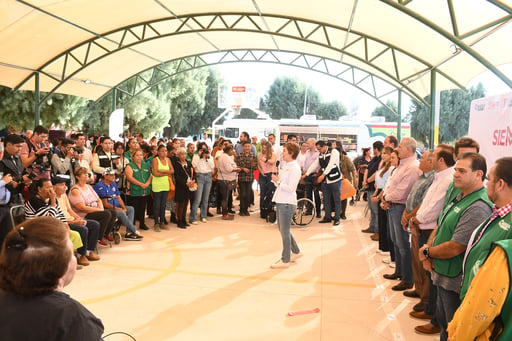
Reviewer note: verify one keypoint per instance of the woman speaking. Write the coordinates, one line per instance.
(285, 198)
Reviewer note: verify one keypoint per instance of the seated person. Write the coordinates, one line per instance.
(111, 197)
(42, 202)
(90, 239)
(36, 263)
(86, 203)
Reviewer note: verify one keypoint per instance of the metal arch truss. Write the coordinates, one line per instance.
(370, 84)
(77, 58)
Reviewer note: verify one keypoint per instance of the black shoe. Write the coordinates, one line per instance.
(231, 211)
(182, 226)
(344, 217)
(411, 294)
(308, 213)
(208, 214)
(367, 230)
(324, 221)
(132, 237)
(143, 227)
(420, 306)
(392, 276)
(319, 215)
(336, 222)
(173, 218)
(402, 286)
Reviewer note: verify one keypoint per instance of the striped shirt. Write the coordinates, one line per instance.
(37, 207)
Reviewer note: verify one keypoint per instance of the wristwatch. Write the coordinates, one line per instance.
(426, 253)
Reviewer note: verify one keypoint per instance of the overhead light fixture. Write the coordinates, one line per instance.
(455, 49)
(87, 81)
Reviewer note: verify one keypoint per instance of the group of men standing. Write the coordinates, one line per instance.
(442, 240)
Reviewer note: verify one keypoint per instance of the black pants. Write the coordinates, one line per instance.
(245, 195)
(139, 207)
(106, 218)
(5, 223)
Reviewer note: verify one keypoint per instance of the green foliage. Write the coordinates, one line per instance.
(384, 111)
(331, 110)
(285, 99)
(453, 117)
(18, 109)
(211, 110)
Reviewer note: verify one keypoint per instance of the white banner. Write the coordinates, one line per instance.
(116, 125)
(490, 123)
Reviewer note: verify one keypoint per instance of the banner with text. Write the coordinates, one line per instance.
(490, 123)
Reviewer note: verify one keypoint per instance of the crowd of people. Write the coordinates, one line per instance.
(435, 219)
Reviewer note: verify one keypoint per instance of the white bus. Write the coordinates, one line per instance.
(353, 135)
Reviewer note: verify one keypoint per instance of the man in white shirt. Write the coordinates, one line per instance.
(424, 222)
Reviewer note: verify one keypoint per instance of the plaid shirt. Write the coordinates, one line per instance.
(246, 161)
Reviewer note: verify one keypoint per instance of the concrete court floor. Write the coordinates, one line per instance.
(212, 281)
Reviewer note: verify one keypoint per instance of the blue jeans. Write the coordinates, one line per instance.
(265, 187)
(332, 192)
(204, 184)
(89, 234)
(284, 220)
(446, 305)
(159, 201)
(400, 240)
(126, 218)
(374, 213)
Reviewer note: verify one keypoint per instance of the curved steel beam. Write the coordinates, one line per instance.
(96, 49)
(455, 37)
(150, 77)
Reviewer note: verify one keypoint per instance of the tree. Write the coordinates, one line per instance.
(285, 98)
(384, 111)
(17, 108)
(211, 109)
(453, 117)
(331, 110)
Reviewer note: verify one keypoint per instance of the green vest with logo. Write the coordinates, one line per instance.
(498, 229)
(141, 174)
(506, 310)
(447, 222)
(451, 194)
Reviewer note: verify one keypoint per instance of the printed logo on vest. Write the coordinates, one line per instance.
(456, 209)
(504, 225)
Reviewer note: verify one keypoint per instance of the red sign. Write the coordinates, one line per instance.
(238, 89)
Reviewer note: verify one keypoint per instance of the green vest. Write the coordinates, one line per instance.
(141, 174)
(498, 229)
(451, 194)
(446, 223)
(506, 311)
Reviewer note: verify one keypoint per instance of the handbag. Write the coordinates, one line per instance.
(347, 190)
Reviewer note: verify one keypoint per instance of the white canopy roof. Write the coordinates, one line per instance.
(87, 47)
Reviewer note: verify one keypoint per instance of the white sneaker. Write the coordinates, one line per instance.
(295, 256)
(392, 265)
(252, 209)
(203, 220)
(194, 222)
(386, 260)
(280, 265)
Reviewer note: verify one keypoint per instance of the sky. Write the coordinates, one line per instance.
(261, 76)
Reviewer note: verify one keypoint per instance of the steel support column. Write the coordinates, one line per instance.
(433, 94)
(399, 117)
(37, 99)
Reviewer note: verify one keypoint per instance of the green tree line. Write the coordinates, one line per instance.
(453, 114)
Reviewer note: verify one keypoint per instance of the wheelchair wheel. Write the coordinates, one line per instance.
(117, 237)
(305, 212)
